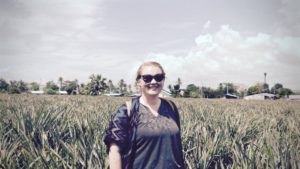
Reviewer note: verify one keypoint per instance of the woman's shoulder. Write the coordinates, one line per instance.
(126, 108)
(121, 112)
(169, 103)
(174, 109)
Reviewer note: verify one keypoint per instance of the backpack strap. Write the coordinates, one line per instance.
(174, 109)
(129, 158)
(128, 104)
(170, 103)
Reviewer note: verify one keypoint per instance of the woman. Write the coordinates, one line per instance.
(148, 135)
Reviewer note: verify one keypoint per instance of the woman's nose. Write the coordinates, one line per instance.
(153, 81)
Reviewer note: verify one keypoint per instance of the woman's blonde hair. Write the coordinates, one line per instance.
(150, 63)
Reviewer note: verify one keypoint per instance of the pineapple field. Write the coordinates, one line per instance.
(44, 131)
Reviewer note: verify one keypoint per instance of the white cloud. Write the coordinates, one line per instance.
(230, 56)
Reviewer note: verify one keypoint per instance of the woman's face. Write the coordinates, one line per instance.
(153, 87)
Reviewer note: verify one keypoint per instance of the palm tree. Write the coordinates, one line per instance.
(129, 89)
(97, 84)
(22, 86)
(3, 85)
(122, 85)
(60, 80)
(110, 85)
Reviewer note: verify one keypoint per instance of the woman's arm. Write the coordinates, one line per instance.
(114, 157)
(116, 137)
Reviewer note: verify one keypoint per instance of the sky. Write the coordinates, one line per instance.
(201, 42)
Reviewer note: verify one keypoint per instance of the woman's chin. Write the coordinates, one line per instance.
(153, 92)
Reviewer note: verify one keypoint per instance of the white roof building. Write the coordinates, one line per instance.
(37, 92)
(114, 94)
(62, 92)
(165, 93)
(260, 96)
(294, 97)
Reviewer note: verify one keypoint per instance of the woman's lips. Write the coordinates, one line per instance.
(153, 86)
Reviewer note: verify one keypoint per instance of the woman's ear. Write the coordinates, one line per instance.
(138, 84)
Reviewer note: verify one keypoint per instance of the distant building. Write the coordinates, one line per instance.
(165, 93)
(37, 92)
(114, 94)
(62, 92)
(181, 92)
(294, 97)
(260, 96)
(230, 96)
(135, 95)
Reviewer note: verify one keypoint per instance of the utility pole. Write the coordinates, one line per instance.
(265, 83)
(223, 83)
(226, 88)
(265, 74)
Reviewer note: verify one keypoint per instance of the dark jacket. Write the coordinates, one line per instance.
(122, 130)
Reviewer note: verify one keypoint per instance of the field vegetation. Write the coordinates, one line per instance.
(66, 132)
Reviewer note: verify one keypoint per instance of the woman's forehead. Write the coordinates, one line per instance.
(150, 69)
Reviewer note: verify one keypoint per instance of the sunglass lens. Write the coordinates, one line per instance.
(147, 78)
(159, 77)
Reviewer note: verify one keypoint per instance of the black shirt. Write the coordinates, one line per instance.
(158, 143)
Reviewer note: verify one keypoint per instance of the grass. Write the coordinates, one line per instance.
(66, 132)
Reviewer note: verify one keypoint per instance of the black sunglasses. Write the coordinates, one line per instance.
(149, 78)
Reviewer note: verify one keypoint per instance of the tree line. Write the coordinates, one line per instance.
(195, 91)
(98, 85)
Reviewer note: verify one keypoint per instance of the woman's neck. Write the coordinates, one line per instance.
(152, 103)
(150, 100)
